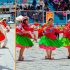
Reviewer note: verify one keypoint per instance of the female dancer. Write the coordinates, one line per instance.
(2, 36)
(50, 41)
(6, 29)
(66, 37)
(22, 37)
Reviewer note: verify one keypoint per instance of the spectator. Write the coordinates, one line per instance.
(34, 4)
(41, 3)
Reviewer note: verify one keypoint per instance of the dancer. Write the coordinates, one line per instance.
(57, 34)
(22, 37)
(66, 37)
(35, 26)
(2, 36)
(49, 41)
(6, 29)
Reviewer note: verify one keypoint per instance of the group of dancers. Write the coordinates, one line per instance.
(4, 29)
(47, 34)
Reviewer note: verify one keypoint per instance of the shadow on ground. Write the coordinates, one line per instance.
(3, 67)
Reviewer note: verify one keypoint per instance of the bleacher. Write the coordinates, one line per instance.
(57, 5)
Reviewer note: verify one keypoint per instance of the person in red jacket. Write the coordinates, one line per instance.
(6, 29)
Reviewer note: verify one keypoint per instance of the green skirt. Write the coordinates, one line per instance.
(66, 41)
(49, 42)
(23, 41)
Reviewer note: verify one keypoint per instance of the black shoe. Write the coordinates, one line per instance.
(68, 57)
(4, 47)
(22, 59)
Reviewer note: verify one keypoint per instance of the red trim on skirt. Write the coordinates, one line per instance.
(47, 47)
(20, 46)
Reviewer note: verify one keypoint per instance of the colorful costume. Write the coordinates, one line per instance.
(50, 41)
(5, 29)
(22, 38)
(66, 36)
(36, 31)
(2, 36)
(40, 32)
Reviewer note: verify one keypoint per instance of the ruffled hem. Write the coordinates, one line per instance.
(20, 46)
(2, 37)
(47, 47)
(67, 46)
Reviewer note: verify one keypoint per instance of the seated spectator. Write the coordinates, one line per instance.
(21, 7)
(34, 4)
(25, 7)
(38, 7)
(41, 3)
(29, 7)
(32, 7)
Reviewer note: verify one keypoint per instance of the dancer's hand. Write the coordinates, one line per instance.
(8, 30)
